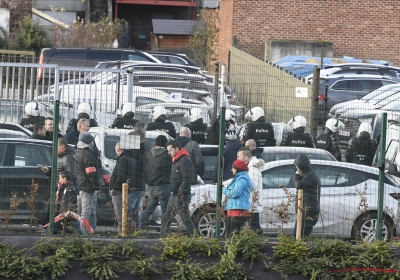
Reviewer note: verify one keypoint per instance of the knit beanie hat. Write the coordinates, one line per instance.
(161, 141)
(86, 137)
(240, 165)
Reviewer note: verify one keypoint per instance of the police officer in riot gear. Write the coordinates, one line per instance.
(212, 132)
(361, 147)
(32, 116)
(84, 110)
(159, 116)
(298, 138)
(261, 131)
(196, 125)
(329, 139)
(126, 120)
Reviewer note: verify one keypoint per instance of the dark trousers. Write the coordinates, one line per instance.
(309, 220)
(255, 223)
(234, 223)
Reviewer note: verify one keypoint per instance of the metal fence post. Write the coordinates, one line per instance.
(56, 120)
(118, 89)
(382, 155)
(299, 224)
(124, 229)
(220, 170)
(314, 102)
(216, 80)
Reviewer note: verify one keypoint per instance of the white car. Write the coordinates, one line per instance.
(371, 98)
(349, 194)
(107, 138)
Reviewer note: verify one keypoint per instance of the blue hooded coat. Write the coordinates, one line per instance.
(238, 192)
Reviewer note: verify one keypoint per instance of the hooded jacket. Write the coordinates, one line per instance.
(124, 171)
(256, 195)
(158, 171)
(309, 183)
(66, 161)
(238, 192)
(181, 173)
(88, 168)
(193, 148)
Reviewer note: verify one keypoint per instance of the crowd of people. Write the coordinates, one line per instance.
(170, 168)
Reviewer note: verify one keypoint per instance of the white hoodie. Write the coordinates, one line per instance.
(254, 166)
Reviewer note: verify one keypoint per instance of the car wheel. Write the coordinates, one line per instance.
(365, 228)
(205, 221)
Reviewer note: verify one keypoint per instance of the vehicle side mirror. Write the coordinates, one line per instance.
(392, 170)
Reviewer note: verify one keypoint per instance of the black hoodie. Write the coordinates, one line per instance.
(309, 183)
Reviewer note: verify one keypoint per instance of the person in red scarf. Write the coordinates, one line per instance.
(181, 175)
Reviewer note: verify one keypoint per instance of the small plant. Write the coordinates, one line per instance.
(46, 246)
(183, 271)
(31, 201)
(176, 246)
(248, 243)
(57, 265)
(227, 268)
(291, 253)
(207, 247)
(143, 267)
(15, 202)
(100, 261)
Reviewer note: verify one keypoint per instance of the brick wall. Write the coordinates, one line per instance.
(367, 29)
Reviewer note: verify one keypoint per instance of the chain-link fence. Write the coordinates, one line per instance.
(347, 193)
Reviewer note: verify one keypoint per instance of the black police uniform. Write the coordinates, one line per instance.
(125, 122)
(330, 142)
(29, 121)
(261, 132)
(198, 129)
(298, 138)
(212, 133)
(167, 127)
(362, 149)
(73, 122)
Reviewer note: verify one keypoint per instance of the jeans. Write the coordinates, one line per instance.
(178, 206)
(309, 220)
(117, 202)
(93, 217)
(134, 200)
(157, 194)
(87, 209)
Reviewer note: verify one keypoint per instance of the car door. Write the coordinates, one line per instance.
(341, 195)
(22, 175)
(278, 200)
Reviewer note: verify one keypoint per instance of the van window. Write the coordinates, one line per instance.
(137, 57)
(68, 59)
(103, 56)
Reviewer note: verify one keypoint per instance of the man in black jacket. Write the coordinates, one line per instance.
(124, 172)
(66, 160)
(179, 201)
(48, 125)
(39, 132)
(193, 148)
(88, 176)
(157, 178)
(137, 190)
(307, 179)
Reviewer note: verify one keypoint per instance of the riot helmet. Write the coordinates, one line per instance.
(32, 109)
